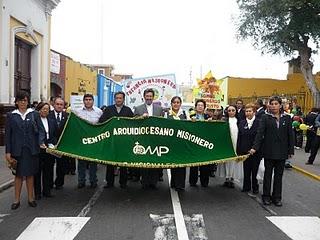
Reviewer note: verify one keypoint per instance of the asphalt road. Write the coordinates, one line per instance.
(136, 214)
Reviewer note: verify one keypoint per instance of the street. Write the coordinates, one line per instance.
(134, 213)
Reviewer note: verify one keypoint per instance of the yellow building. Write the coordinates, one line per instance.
(80, 79)
(293, 88)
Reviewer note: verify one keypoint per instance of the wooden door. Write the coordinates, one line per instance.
(22, 67)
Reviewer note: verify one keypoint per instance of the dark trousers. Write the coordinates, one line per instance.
(110, 175)
(314, 149)
(135, 173)
(250, 170)
(204, 175)
(60, 171)
(43, 179)
(277, 166)
(178, 177)
(310, 137)
(298, 138)
(149, 176)
(71, 165)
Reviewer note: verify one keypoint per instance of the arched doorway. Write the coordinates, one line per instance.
(55, 90)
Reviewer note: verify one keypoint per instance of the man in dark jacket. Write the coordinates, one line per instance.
(311, 133)
(60, 118)
(275, 136)
(116, 110)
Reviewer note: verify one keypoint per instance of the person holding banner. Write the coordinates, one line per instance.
(149, 176)
(92, 114)
(276, 140)
(247, 132)
(178, 175)
(200, 107)
(116, 110)
(231, 170)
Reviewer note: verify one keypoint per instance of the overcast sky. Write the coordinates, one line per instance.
(152, 37)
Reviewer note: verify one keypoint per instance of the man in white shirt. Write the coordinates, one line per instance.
(92, 114)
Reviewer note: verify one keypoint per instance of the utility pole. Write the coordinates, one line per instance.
(101, 32)
(190, 77)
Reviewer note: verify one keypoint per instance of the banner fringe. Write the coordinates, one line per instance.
(58, 153)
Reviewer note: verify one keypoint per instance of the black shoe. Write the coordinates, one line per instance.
(230, 185)
(266, 202)
(288, 165)
(179, 189)
(255, 191)
(123, 186)
(225, 184)
(277, 203)
(38, 197)
(193, 184)
(59, 187)
(204, 185)
(32, 203)
(108, 185)
(15, 206)
(93, 185)
(81, 185)
(160, 179)
(309, 163)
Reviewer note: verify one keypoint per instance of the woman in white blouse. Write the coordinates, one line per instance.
(44, 178)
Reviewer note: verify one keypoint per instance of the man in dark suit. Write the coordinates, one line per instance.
(316, 142)
(275, 139)
(60, 117)
(150, 176)
(311, 133)
(260, 109)
(116, 110)
(241, 115)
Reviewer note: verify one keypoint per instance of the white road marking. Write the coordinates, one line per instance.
(2, 215)
(54, 228)
(177, 211)
(298, 228)
(91, 202)
(196, 227)
(165, 228)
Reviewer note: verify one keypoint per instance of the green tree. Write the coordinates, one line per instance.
(281, 27)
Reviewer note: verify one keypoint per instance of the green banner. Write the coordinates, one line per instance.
(152, 142)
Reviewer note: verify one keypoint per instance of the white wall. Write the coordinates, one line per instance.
(25, 11)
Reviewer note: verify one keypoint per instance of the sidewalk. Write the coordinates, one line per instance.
(298, 162)
(6, 177)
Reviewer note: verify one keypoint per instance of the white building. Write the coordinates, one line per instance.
(25, 48)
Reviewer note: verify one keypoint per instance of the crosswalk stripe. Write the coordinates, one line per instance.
(298, 228)
(54, 228)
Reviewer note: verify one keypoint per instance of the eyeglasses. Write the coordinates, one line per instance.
(231, 110)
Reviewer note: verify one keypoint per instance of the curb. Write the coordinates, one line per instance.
(306, 173)
(6, 185)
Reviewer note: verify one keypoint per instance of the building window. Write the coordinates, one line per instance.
(101, 71)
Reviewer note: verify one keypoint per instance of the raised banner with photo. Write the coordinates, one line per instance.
(213, 91)
(164, 87)
(147, 142)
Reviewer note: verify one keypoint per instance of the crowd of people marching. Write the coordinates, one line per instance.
(266, 130)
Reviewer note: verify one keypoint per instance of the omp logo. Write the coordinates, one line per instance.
(141, 150)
